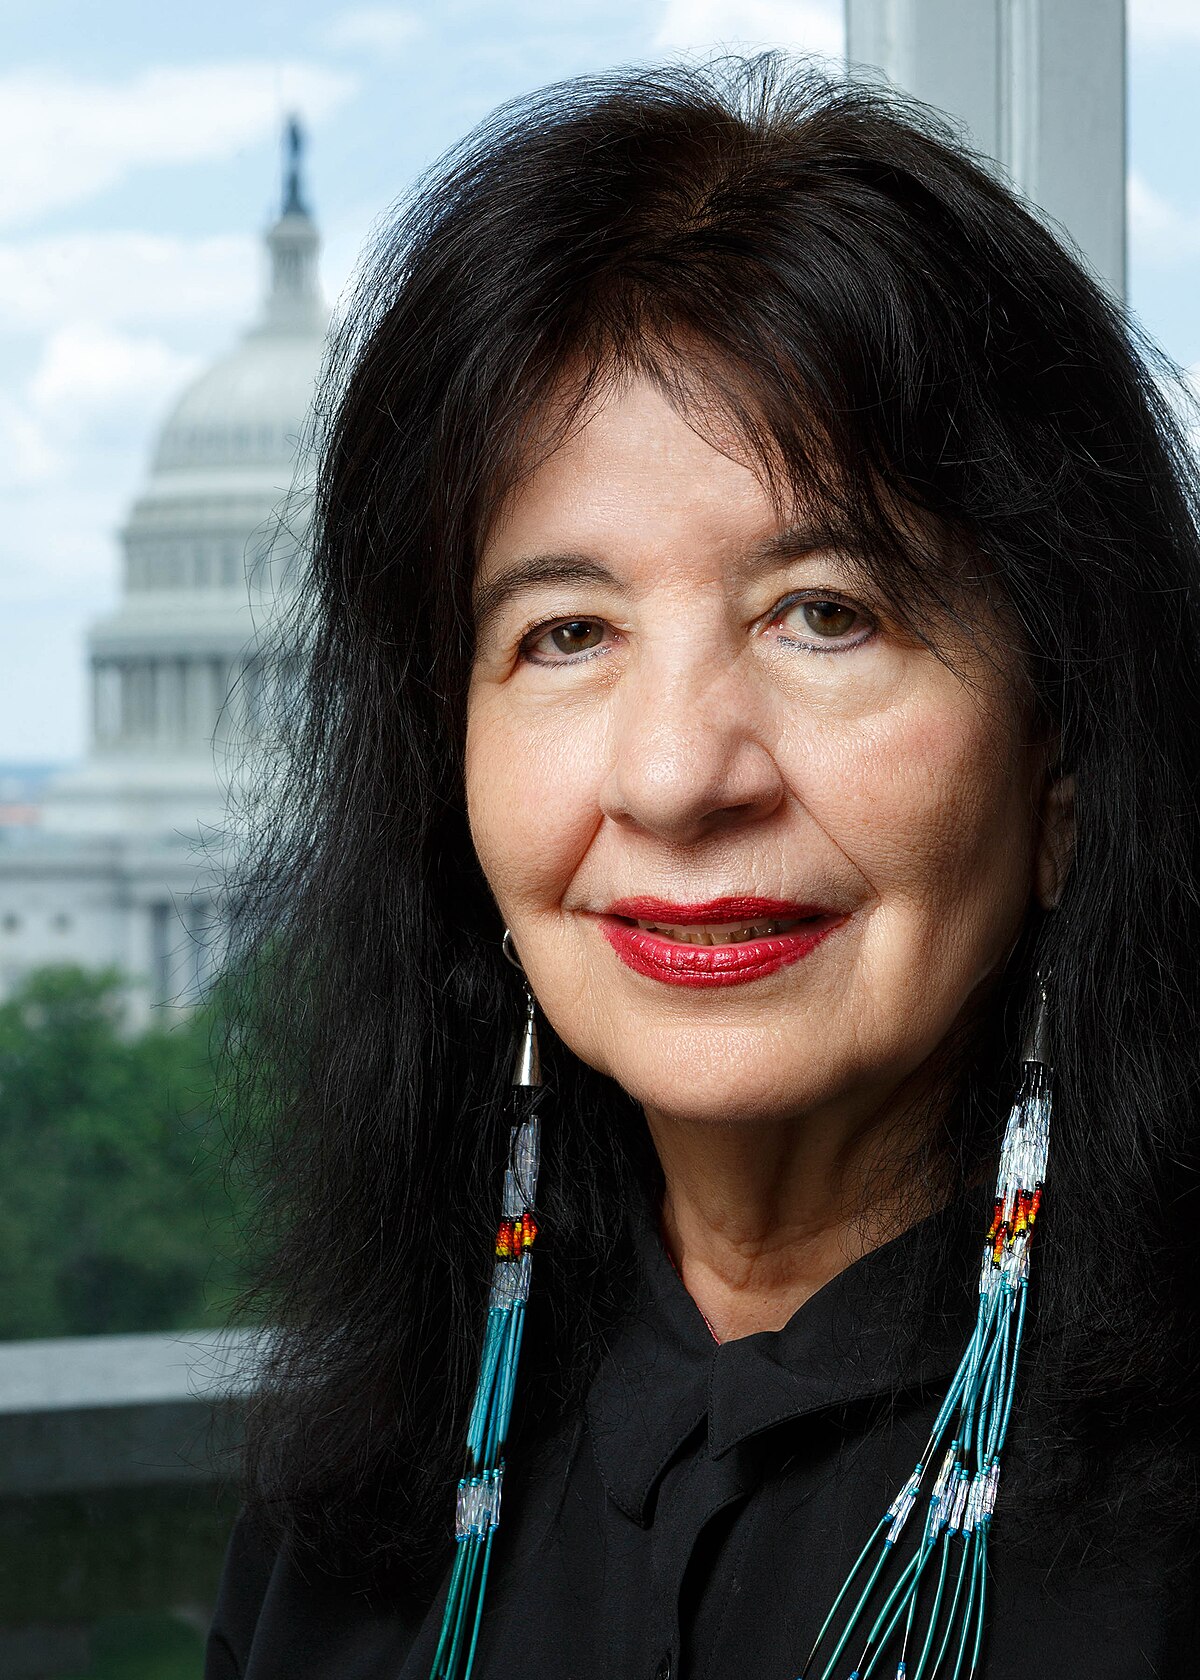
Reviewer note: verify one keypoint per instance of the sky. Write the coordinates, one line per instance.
(140, 147)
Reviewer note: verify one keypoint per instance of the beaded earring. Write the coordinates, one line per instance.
(951, 1553)
(478, 1509)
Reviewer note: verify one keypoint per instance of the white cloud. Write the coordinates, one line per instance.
(123, 278)
(702, 25)
(63, 139)
(383, 30)
(1164, 22)
(89, 373)
(27, 455)
(1160, 232)
(73, 440)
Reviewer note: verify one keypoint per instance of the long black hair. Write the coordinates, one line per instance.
(892, 330)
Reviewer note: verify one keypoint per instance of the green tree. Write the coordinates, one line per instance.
(114, 1213)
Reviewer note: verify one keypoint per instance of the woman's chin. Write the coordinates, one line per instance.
(712, 1096)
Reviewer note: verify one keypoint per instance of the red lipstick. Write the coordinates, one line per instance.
(680, 963)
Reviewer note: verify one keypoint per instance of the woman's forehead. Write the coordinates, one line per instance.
(593, 415)
(602, 422)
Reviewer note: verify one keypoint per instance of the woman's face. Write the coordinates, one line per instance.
(756, 846)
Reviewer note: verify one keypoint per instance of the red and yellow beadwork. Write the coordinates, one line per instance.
(515, 1236)
(1009, 1223)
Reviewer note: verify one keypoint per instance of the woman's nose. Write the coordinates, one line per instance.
(688, 754)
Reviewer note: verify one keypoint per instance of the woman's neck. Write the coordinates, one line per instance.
(758, 1216)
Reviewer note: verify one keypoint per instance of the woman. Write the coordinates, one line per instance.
(755, 570)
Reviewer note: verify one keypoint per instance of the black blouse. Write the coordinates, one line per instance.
(699, 1517)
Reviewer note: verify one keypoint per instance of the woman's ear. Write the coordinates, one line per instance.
(1056, 837)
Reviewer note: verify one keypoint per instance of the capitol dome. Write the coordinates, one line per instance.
(246, 409)
(175, 677)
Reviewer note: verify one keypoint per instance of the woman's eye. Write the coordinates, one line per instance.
(810, 623)
(575, 635)
(817, 621)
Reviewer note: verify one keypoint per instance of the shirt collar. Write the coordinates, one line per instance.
(664, 1375)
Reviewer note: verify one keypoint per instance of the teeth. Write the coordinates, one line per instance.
(711, 934)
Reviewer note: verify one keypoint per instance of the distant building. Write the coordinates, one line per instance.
(114, 870)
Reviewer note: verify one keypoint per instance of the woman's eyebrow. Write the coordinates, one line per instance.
(797, 541)
(537, 570)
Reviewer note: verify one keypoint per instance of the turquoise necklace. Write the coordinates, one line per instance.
(934, 1600)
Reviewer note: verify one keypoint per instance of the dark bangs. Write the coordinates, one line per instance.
(904, 347)
(858, 328)
(823, 474)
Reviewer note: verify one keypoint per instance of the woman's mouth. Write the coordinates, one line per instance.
(723, 942)
(732, 934)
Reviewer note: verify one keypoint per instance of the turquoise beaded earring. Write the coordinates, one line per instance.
(938, 1594)
(478, 1510)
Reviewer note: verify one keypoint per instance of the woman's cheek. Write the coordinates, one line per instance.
(531, 775)
(489, 775)
(924, 801)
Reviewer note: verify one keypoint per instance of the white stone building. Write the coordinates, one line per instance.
(121, 868)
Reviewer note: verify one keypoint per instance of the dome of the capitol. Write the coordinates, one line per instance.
(176, 672)
(250, 405)
(247, 408)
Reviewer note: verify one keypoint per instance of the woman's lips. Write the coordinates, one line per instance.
(656, 953)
